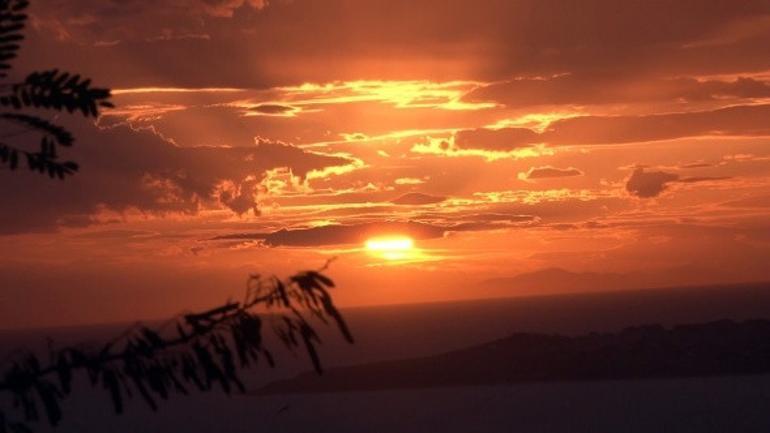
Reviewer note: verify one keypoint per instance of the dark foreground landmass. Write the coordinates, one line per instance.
(718, 348)
(427, 393)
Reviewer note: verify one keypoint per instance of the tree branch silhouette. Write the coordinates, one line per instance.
(205, 349)
(44, 90)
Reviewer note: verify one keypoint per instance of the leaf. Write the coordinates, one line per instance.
(56, 90)
(210, 370)
(155, 378)
(281, 289)
(61, 135)
(139, 384)
(64, 371)
(180, 331)
(251, 328)
(332, 311)
(177, 384)
(322, 278)
(268, 357)
(13, 159)
(112, 384)
(152, 337)
(240, 345)
(228, 365)
(18, 427)
(309, 337)
(12, 20)
(190, 372)
(49, 395)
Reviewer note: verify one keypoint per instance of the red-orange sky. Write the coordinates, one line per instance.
(628, 139)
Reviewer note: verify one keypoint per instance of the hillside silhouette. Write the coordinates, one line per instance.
(652, 351)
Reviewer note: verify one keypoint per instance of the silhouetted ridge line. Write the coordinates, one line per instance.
(652, 351)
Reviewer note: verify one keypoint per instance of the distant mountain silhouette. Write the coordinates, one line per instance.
(711, 349)
(558, 280)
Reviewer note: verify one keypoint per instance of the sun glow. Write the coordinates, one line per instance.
(391, 248)
(402, 94)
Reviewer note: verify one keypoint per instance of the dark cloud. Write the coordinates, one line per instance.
(549, 172)
(274, 109)
(594, 89)
(749, 120)
(491, 40)
(646, 184)
(198, 124)
(417, 198)
(495, 139)
(240, 197)
(124, 168)
(741, 120)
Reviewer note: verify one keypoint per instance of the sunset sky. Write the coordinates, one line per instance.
(430, 146)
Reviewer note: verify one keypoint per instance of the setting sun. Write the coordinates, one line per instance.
(391, 248)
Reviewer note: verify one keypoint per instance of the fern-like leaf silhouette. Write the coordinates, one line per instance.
(45, 90)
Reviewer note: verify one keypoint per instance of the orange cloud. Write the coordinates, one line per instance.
(416, 198)
(546, 172)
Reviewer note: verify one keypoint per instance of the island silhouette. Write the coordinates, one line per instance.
(718, 348)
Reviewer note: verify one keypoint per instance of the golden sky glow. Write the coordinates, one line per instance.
(429, 149)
